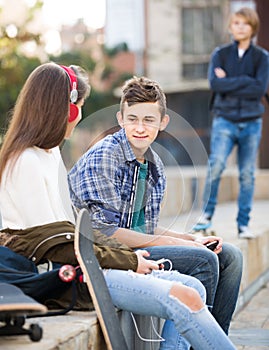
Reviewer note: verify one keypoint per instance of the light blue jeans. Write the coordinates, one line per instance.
(224, 136)
(149, 295)
(220, 274)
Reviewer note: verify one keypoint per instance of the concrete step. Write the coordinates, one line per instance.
(250, 327)
(185, 186)
(80, 330)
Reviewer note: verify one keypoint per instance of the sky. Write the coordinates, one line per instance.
(58, 12)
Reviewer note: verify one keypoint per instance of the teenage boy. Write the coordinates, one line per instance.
(238, 76)
(122, 182)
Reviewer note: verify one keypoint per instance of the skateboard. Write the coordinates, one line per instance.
(203, 229)
(94, 278)
(15, 307)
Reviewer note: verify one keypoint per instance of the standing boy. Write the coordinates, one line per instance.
(238, 76)
(122, 182)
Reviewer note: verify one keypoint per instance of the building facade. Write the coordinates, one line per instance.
(175, 49)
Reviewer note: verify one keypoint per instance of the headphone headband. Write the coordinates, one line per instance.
(73, 84)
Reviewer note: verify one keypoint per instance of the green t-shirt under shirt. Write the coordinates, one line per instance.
(138, 221)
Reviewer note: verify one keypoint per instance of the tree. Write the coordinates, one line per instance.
(16, 58)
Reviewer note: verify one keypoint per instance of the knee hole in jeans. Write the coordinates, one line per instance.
(188, 296)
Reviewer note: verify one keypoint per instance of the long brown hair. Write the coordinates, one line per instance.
(40, 114)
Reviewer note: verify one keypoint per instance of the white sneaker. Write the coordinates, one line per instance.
(244, 232)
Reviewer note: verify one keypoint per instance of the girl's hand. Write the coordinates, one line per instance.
(145, 266)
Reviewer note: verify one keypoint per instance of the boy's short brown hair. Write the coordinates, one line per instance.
(140, 90)
(251, 17)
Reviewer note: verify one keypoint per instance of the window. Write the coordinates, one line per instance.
(202, 30)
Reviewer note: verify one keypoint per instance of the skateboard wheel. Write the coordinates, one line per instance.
(67, 273)
(36, 332)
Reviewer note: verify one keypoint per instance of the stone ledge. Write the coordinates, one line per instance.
(185, 187)
(80, 330)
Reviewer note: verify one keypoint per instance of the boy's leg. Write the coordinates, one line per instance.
(231, 265)
(248, 144)
(221, 145)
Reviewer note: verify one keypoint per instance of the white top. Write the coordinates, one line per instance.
(241, 52)
(35, 191)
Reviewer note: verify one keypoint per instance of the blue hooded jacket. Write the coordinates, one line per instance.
(237, 97)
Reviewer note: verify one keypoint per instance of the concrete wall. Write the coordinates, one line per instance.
(185, 188)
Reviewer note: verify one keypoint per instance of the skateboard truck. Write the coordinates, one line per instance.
(15, 307)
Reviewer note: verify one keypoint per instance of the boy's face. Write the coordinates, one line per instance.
(142, 122)
(240, 28)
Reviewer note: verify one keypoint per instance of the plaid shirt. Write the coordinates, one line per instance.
(105, 178)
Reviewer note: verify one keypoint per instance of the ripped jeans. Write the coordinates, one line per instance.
(147, 295)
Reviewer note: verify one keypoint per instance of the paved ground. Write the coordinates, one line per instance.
(224, 220)
(250, 327)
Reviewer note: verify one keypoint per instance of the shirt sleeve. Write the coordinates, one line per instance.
(95, 182)
(28, 191)
(114, 258)
(241, 85)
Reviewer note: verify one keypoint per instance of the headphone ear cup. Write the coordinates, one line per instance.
(73, 112)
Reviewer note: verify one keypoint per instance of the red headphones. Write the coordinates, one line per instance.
(73, 109)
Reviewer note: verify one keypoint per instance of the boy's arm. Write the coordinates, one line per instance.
(191, 238)
(135, 239)
(242, 85)
(257, 86)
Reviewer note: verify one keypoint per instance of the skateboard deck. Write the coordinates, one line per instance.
(15, 306)
(96, 283)
(204, 229)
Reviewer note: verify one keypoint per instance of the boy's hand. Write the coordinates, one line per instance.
(145, 266)
(220, 73)
(205, 240)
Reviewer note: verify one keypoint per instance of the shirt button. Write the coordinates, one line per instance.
(68, 236)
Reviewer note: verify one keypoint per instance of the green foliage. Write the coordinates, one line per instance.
(15, 67)
(113, 51)
(14, 71)
(80, 58)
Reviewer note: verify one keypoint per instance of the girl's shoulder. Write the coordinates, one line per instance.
(33, 155)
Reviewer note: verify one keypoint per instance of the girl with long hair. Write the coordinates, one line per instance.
(39, 222)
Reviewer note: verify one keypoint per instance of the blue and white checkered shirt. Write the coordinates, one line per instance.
(104, 179)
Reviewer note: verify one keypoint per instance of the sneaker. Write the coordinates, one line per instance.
(244, 232)
(203, 223)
